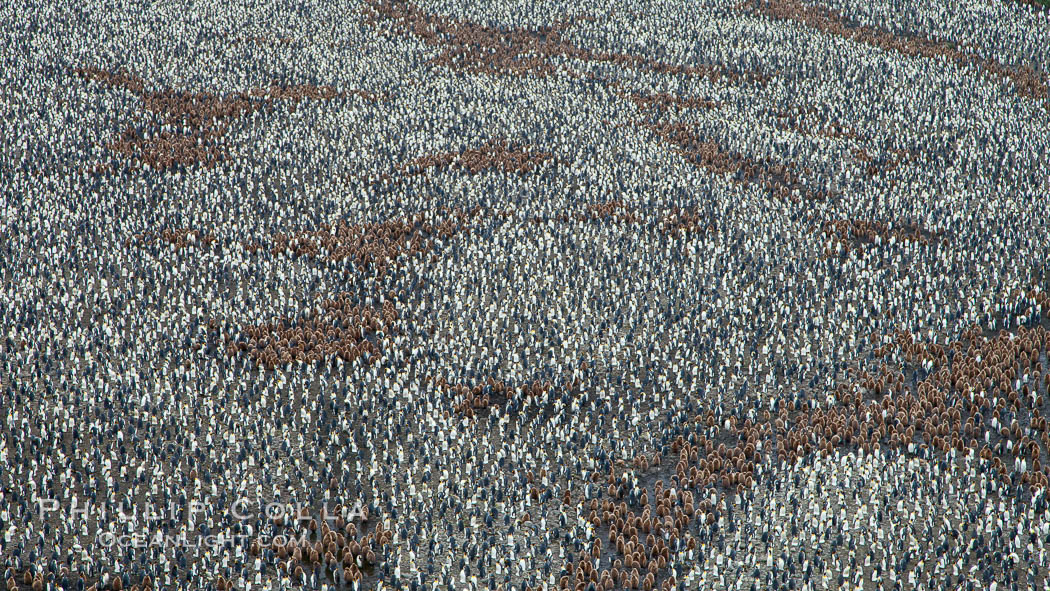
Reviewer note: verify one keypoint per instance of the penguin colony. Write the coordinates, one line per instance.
(379, 294)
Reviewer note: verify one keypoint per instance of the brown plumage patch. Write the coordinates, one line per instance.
(477, 48)
(781, 179)
(496, 154)
(854, 233)
(341, 330)
(178, 237)
(1026, 81)
(186, 129)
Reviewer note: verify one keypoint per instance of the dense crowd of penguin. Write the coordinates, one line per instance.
(426, 295)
